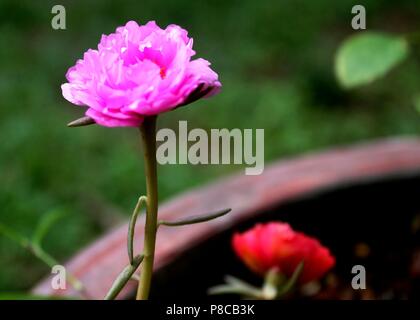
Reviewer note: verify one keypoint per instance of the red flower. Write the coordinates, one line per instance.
(277, 245)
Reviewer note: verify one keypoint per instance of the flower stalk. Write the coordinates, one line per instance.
(148, 136)
(123, 278)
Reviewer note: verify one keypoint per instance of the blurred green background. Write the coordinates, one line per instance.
(274, 58)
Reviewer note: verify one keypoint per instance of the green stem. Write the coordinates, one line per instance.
(194, 219)
(148, 134)
(132, 226)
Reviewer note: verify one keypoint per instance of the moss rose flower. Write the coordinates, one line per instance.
(139, 71)
(277, 245)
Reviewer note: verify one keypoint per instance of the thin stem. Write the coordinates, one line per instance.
(148, 135)
(132, 226)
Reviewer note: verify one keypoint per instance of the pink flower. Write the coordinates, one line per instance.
(277, 245)
(139, 71)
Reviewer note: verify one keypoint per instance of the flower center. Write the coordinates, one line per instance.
(163, 72)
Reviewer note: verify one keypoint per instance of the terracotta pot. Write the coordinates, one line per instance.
(250, 197)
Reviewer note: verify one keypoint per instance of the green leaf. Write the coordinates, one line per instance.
(368, 56)
(195, 219)
(289, 285)
(45, 224)
(123, 278)
(132, 227)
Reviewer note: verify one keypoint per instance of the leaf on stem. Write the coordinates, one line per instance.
(84, 121)
(195, 219)
(123, 278)
(132, 226)
(292, 281)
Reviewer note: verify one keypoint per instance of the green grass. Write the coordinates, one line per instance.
(275, 60)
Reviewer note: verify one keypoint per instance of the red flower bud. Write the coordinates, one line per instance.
(277, 245)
